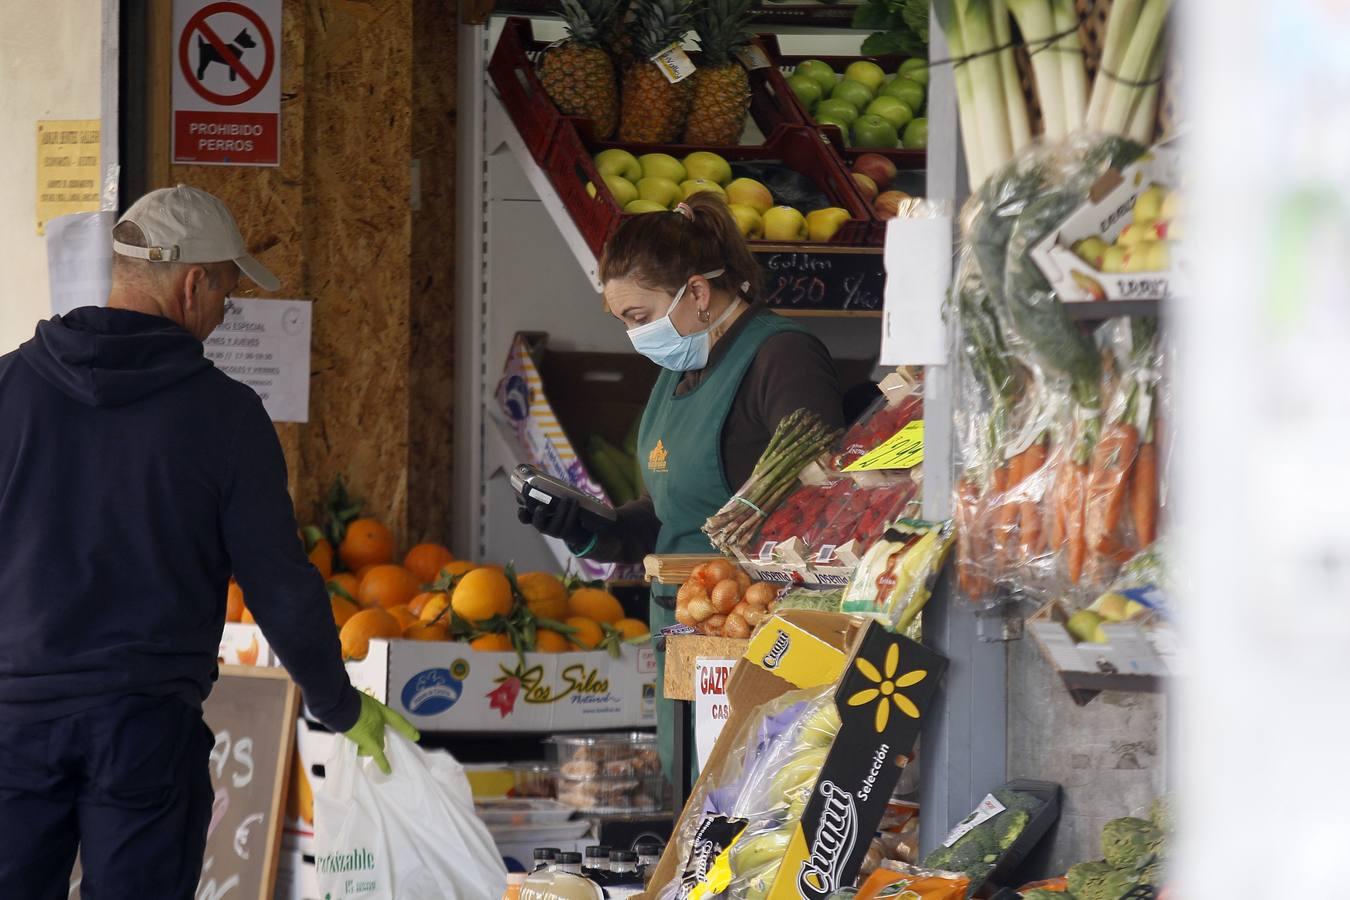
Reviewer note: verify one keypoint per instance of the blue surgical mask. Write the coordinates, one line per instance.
(661, 342)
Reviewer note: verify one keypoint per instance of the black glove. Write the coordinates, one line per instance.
(560, 519)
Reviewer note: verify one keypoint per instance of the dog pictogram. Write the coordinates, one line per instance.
(207, 53)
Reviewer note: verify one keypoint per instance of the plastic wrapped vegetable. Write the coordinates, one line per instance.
(1128, 842)
(899, 880)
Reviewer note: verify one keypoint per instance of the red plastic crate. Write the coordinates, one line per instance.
(772, 104)
(909, 160)
(802, 149)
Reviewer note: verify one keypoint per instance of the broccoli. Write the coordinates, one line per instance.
(966, 856)
(1099, 881)
(1128, 842)
(1008, 827)
(1161, 814)
(1041, 894)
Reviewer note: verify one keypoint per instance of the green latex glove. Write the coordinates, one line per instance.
(368, 732)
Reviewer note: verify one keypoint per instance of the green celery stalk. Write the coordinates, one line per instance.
(1134, 66)
(1036, 22)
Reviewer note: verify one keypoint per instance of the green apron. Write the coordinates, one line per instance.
(680, 448)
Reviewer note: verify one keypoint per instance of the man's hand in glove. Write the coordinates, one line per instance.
(368, 732)
(560, 519)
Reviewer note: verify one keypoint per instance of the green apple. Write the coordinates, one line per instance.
(660, 190)
(834, 108)
(662, 165)
(624, 191)
(916, 134)
(807, 89)
(749, 192)
(909, 91)
(783, 223)
(700, 185)
(915, 69)
(819, 72)
(1113, 260)
(844, 127)
(874, 131)
(645, 206)
(892, 109)
(707, 166)
(748, 220)
(866, 71)
(618, 162)
(854, 92)
(821, 224)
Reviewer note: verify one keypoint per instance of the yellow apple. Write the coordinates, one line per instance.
(1148, 205)
(749, 192)
(748, 220)
(624, 191)
(662, 165)
(1136, 232)
(708, 166)
(645, 206)
(821, 224)
(618, 162)
(1171, 206)
(699, 185)
(1090, 250)
(783, 223)
(1136, 258)
(1159, 256)
(1113, 260)
(660, 190)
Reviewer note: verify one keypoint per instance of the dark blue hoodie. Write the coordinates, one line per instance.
(135, 477)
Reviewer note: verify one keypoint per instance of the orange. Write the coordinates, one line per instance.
(588, 634)
(367, 543)
(426, 561)
(247, 617)
(404, 616)
(347, 582)
(342, 609)
(544, 594)
(458, 567)
(321, 555)
(547, 641)
(234, 603)
(360, 628)
(427, 631)
(632, 628)
(482, 594)
(388, 586)
(361, 572)
(415, 604)
(493, 643)
(596, 604)
(435, 606)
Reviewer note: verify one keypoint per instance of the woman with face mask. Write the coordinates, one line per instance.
(686, 288)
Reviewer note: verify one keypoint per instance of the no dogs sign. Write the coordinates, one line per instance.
(227, 82)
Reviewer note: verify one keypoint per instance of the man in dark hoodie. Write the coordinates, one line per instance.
(135, 478)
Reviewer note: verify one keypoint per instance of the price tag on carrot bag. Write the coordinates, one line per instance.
(753, 57)
(903, 450)
(674, 63)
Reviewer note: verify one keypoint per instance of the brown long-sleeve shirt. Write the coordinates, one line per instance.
(790, 371)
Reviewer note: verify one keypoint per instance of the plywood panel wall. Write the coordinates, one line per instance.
(335, 222)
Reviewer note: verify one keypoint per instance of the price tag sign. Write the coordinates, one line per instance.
(753, 57)
(904, 450)
(711, 708)
(674, 63)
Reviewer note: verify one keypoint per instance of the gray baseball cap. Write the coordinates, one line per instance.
(186, 225)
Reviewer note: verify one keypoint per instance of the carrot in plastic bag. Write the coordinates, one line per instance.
(1029, 517)
(994, 497)
(967, 513)
(1112, 459)
(1144, 494)
(1075, 485)
(1008, 510)
(898, 880)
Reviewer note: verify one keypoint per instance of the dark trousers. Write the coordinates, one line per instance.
(125, 783)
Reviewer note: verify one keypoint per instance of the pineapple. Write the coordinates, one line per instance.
(578, 74)
(721, 85)
(654, 110)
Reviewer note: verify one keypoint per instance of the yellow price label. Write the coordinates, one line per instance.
(904, 450)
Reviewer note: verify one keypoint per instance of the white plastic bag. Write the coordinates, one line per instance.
(410, 835)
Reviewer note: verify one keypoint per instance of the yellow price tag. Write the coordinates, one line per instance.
(904, 450)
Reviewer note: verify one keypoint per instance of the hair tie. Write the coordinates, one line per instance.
(685, 210)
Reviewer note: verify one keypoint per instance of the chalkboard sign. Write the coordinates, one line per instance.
(252, 712)
(836, 281)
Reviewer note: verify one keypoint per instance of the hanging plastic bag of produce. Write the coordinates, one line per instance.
(904, 882)
(410, 835)
(896, 576)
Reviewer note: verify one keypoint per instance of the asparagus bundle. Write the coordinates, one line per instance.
(798, 440)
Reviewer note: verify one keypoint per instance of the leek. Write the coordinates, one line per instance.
(1068, 53)
(950, 23)
(1145, 115)
(991, 112)
(1119, 26)
(1134, 67)
(1019, 127)
(1036, 23)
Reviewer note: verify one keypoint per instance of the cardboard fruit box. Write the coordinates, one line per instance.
(245, 645)
(1137, 655)
(443, 686)
(1107, 211)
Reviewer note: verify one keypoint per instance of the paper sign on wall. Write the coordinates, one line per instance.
(68, 178)
(226, 60)
(265, 345)
(918, 271)
(711, 707)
